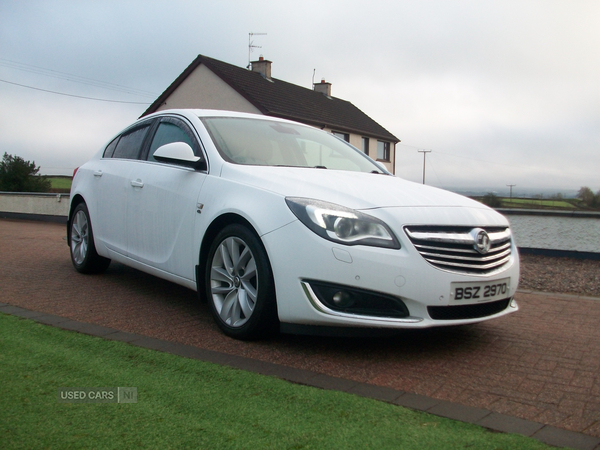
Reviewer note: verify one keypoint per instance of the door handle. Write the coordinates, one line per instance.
(137, 183)
(98, 173)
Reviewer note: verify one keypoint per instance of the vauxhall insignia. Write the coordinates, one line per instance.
(482, 240)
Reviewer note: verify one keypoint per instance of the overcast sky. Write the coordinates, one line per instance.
(501, 92)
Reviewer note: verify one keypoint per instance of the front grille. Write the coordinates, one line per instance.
(475, 311)
(455, 248)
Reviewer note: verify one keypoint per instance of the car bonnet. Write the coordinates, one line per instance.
(351, 189)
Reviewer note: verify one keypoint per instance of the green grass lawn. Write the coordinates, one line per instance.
(184, 403)
(60, 182)
(535, 203)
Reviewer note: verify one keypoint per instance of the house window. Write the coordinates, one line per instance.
(365, 145)
(383, 151)
(344, 136)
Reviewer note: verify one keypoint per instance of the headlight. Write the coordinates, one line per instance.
(342, 225)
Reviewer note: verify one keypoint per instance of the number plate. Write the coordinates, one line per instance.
(478, 292)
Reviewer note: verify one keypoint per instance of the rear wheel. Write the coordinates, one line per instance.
(83, 251)
(239, 284)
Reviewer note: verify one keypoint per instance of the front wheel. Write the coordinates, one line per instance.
(239, 284)
(83, 251)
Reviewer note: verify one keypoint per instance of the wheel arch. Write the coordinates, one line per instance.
(213, 229)
(75, 201)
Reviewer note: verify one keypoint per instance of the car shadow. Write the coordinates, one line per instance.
(172, 299)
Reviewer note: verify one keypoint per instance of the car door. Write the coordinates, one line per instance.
(162, 203)
(112, 178)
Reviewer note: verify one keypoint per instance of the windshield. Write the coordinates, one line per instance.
(269, 143)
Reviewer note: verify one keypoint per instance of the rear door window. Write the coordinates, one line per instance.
(130, 143)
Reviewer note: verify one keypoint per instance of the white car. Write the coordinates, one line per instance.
(281, 226)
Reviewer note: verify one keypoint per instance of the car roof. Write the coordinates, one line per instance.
(200, 113)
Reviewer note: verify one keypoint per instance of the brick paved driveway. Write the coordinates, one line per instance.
(541, 364)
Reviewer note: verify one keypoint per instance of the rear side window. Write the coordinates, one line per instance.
(130, 144)
(110, 148)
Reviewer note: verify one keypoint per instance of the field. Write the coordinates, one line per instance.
(564, 204)
(60, 183)
(536, 203)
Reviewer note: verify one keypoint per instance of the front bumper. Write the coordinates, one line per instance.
(299, 257)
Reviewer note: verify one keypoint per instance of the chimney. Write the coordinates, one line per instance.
(263, 67)
(323, 87)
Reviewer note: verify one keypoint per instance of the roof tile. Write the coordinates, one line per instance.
(279, 98)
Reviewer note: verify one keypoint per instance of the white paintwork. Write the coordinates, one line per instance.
(153, 216)
(177, 151)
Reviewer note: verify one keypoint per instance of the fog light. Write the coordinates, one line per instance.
(342, 299)
(361, 302)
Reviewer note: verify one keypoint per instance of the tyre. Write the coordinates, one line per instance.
(239, 285)
(81, 242)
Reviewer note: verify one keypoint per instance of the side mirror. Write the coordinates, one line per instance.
(178, 153)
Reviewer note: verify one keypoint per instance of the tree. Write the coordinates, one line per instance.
(492, 200)
(587, 196)
(18, 175)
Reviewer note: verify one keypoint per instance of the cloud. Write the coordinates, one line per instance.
(502, 92)
(59, 134)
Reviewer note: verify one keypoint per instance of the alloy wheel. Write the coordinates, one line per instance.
(79, 237)
(234, 281)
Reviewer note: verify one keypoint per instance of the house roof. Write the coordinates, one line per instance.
(285, 100)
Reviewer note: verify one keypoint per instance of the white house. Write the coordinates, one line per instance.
(212, 84)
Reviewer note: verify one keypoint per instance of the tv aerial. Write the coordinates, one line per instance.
(252, 46)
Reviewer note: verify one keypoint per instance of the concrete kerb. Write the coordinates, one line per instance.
(477, 416)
